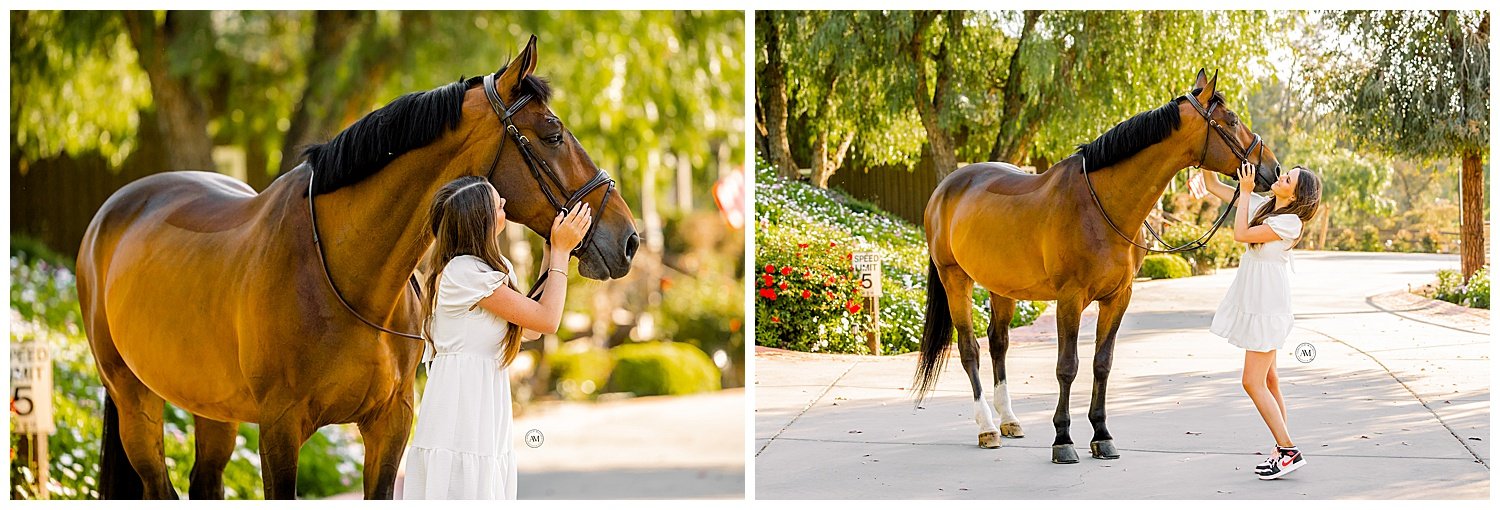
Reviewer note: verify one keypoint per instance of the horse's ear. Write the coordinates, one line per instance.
(1202, 80)
(519, 68)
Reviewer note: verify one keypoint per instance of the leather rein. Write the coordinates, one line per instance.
(1242, 153)
(536, 164)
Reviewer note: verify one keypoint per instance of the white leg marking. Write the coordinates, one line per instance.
(983, 416)
(1002, 404)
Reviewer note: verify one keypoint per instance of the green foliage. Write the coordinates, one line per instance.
(1412, 83)
(579, 371)
(1475, 293)
(1219, 252)
(706, 312)
(662, 368)
(44, 306)
(1165, 266)
(814, 231)
(75, 87)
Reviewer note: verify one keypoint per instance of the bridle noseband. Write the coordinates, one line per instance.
(1241, 153)
(539, 168)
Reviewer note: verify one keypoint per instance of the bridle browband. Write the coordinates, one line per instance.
(538, 167)
(1241, 153)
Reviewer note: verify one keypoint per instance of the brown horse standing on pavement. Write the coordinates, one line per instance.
(1049, 237)
(198, 291)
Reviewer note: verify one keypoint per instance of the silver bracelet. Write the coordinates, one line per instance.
(559, 271)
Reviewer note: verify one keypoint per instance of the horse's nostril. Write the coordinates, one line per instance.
(631, 244)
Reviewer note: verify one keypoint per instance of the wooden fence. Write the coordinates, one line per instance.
(899, 190)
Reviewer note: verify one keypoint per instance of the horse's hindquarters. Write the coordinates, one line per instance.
(155, 299)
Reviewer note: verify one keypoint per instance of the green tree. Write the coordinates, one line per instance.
(1416, 84)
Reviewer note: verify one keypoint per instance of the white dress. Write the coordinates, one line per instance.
(462, 445)
(1256, 313)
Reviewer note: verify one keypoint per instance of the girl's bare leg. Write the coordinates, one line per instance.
(1273, 383)
(1257, 369)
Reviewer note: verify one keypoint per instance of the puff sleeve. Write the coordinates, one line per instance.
(466, 281)
(1287, 226)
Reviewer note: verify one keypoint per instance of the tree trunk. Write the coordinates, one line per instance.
(825, 164)
(929, 102)
(332, 31)
(772, 79)
(1471, 228)
(1008, 140)
(181, 117)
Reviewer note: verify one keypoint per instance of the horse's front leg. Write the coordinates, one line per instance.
(1111, 312)
(282, 433)
(1069, 313)
(385, 436)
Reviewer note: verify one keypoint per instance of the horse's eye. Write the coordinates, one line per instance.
(554, 140)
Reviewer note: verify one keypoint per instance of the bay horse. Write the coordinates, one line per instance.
(229, 304)
(1050, 236)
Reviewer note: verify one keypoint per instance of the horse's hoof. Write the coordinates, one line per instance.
(989, 440)
(1104, 449)
(1064, 454)
(1011, 430)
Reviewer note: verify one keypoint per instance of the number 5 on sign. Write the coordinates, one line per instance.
(867, 270)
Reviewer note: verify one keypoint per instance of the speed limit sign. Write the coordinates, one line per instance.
(31, 389)
(867, 273)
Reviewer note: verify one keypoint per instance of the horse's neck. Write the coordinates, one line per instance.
(374, 232)
(1130, 189)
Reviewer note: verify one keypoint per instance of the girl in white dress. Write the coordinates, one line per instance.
(462, 448)
(1256, 314)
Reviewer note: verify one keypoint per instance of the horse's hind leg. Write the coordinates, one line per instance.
(1111, 312)
(213, 443)
(1001, 310)
(140, 415)
(960, 290)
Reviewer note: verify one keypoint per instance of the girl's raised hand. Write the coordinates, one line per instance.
(1247, 177)
(568, 228)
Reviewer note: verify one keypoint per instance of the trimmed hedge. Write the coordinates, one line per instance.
(662, 368)
(1165, 266)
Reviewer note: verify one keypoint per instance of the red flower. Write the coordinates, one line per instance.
(831, 297)
(770, 269)
(801, 245)
(853, 307)
(775, 320)
(806, 294)
(783, 285)
(767, 279)
(786, 270)
(830, 281)
(850, 256)
(768, 294)
(832, 244)
(807, 274)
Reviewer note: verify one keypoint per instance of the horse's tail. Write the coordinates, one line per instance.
(937, 335)
(117, 478)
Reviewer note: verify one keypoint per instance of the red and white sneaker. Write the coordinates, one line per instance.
(1286, 461)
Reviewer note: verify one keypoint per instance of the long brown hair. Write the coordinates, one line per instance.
(462, 218)
(1307, 197)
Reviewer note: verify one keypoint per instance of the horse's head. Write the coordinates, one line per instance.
(541, 168)
(1226, 140)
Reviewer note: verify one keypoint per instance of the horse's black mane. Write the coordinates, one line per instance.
(1135, 134)
(409, 122)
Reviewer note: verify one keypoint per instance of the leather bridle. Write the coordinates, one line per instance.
(536, 164)
(539, 167)
(1240, 152)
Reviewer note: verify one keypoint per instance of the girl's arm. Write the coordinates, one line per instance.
(543, 316)
(1242, 231)
(1215, 186)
